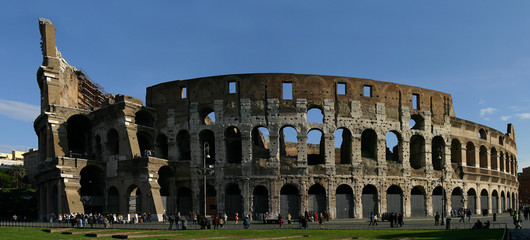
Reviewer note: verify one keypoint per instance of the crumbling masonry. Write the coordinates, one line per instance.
(277, 143)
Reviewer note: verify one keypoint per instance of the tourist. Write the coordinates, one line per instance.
(171, 221)
(371, 219)
(436, 219)
(468, 213)
(289, 218)
(246, 222)
(321, 221)
(236, 219)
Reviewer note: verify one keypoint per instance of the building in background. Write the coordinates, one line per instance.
(9, 159)
(31, 164)
(524, 186)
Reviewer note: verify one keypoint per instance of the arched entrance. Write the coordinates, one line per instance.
(316, 199)
(369, 201)
(457, 199)
(165, 178)
(344, 198)
(92, 189)
(472, 200)
(417, 202)
(79, 136)
(494, 201)
(184, 200)
(394, 199)
(135, 199)
(484, 200)
(289, 200)
(233, 201)
(113, 200)
(260, 200)
(437, 200)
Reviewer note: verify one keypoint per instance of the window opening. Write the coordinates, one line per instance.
(341, 88)
(314, 115)
(287, 91)
(232, 88)
(415, 101)
(184, 93)
(367, 91)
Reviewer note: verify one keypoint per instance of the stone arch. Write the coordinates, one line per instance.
(91, 191)
(417, 152)
(233, 142)
(113, 142)
(456, 151)
(484, 200)
(113, 200)
(482, 134)
(260, 143)
(233, 201)
(483, 153)
(508, 200)
(145, 143)
(166, 178)
(207, 136)
(184, 200)
(315, 147)
(369, 144)
(289, 200)
(513, 204)
(288, 142)
(134, 203)
(457, 198)
(207, 116)
(470, 154)
(437, 153)
(316, 197)
(507, 160)
(501, 140)
(394, 199)
(260, 199)
(343, 146)
(183, 145)
(394, 146)
(344, 201)
(315, 115)
(417, 122)
(503, 201)
(418, 202)
(438, 196)
(79, 133)
(493, 158)
(494, 201)
(369, 200)
(501, 162)
(161, 147)
(144, 118)
(472, 200)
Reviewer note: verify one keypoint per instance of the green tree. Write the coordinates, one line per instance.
(17, 172)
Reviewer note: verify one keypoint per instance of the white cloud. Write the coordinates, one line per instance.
(523, 115)
(487, 111)
(505, 118)
(19, 110)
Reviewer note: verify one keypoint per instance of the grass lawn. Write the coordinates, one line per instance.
(37, 233)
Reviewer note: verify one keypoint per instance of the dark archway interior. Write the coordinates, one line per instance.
(369, 144)
(183, 144)
(79, 136)
(144, 118)
(161, 146)
(417, 152)
(233, 145)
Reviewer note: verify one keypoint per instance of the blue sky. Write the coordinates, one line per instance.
(477, 51)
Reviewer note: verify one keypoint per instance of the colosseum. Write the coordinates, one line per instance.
(274, 143)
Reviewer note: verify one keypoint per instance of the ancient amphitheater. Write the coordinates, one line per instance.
(277, 143)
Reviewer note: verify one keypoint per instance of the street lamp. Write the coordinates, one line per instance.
(206, 170)
(444, 169)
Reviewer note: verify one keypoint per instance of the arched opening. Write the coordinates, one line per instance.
(78, 131)
(316, 198)
(437, 200)
(394, 199)
(135, 199)
(260, 143)
(260, 200)
(393, 147)
(98, 155)
(418, 202)
(315, 147)
(483, 153)
(501, 140)
(233, 201)
(161, 149)
(416, 122)
(508, 201)
(501, 162)
(289, 200)
(493, 158)
(165, 180)
(288, 142)
(314, 115)
(113, 142)
(233, 145)
(456, 151)
(92, 193)
(343, 146)
(417, 152)
(369, 201)
(494, 201)
(144, 118)
(345, 205)
(113, 200)
(472, 200)
(484, 200)
(438, 153)
(470, 154)
(145, 144)
(369, 144)
(503, 201)
(507, 160)
(513, 204)
(207, 116)
(55, 200)
(482, 134)
(183, 145)
(184, 200)
(207, 136)
(457, 199)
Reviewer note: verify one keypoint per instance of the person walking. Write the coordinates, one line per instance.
(281, 222)
(236, 219)
(436, 219)
(289, 218)
(516, 220)
(375, 219)
(171, 221)
(468, 213)
(371, 219)
(400, 220)
(321, 221)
